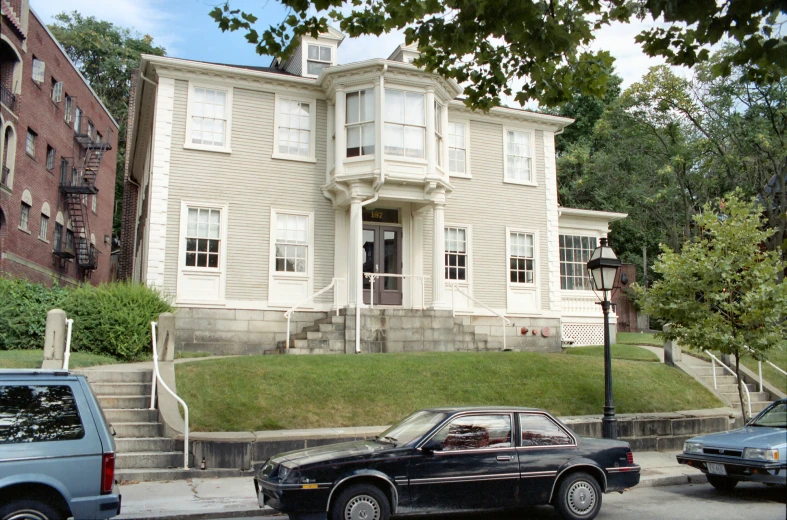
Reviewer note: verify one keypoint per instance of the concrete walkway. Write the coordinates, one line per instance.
(234, 497)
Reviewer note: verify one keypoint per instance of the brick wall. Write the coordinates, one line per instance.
(130, 193)
(35, 110)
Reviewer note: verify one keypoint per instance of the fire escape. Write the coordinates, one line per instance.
(77, 184)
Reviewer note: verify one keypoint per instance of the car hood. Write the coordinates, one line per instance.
(333, 452)
(746, 437)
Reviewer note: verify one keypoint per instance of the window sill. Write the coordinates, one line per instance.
(459, 175)
(23, 230)
(296, 158)
(415, 160)
(201, 270)
(203, 148)
(6, 188)
(31, 156)
(360, 158)
(291, 276)
(521, 183)
(43, 240)
(9, 110)
(522, 286)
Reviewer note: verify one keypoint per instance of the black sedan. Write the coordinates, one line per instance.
(449, 460)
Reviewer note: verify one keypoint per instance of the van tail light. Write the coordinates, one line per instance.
(630, 457)
(107, 473)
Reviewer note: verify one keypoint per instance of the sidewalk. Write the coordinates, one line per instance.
(234, 497)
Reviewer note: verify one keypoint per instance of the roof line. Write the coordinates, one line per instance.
(75, 68)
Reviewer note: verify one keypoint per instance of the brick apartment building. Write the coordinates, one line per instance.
(58, 147)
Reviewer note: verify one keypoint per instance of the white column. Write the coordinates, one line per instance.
(444, 124)
(330, 163)
(340, 254)
(438, 256)
(417, 256)
(354, 264)
(379, 105)
(339, 117)
(430, 139)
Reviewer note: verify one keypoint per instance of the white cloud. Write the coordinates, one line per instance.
(369, 47)
(631, 63)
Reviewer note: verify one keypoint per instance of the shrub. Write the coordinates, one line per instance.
(23, 308)
(114, 319)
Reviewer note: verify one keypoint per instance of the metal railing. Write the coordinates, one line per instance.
(7, 98)
(715, 360)
(157, 377)
(506, 321)
(292, 309)
(373, 276)
(759, 363)
(67, 353)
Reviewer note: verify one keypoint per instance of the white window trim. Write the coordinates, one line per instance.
(506, 178)
(467, 174)
(207, 271)
(359, 124)
(305, 55)
(404, 158)
(469, 244)
(517, 285)
(312, 128)
(41, 228)
(227, 148)
(575, 292)
(308, 276)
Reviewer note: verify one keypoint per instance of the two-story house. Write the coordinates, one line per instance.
(364, 190)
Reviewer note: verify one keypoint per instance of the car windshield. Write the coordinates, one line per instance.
(412, 428)
(774, 417)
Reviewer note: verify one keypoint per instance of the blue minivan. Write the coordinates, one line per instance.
(57, 453)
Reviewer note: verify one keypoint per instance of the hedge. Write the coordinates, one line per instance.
(111, 319)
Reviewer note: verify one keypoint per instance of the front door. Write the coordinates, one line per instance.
(382, 246)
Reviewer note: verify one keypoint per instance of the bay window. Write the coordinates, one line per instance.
(521, 255)
(360, 123)
(405, 123)
(575, 252)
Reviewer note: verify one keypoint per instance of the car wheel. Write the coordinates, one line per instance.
(361, 502)
(29, 510)
(579, 497)
(722, 483)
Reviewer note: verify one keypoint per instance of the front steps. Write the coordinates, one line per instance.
(727, 385)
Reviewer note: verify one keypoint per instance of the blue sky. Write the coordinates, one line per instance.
(186, 30)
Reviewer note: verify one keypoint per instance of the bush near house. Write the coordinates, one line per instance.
(111, 319)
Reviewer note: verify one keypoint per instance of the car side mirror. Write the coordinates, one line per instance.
(432, 445)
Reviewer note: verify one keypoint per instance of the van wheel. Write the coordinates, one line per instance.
(579, 497)
(29, 510)
(361, 502)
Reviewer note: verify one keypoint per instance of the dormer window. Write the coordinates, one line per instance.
(318, 58)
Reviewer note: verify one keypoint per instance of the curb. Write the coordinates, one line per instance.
(672, 480)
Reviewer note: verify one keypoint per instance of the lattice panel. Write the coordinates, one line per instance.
(584, 334)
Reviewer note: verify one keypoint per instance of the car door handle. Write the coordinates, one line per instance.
(504, 458)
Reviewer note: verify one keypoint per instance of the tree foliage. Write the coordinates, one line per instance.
(485, 44)
(105, 54)
(722, 292)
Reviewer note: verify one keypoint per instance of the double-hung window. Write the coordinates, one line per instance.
(93, 203)
(78, 120)
(457, 149)
(518, 167)
(42, 231)
(203, 238)
(521, 256)
(294, 132)
(24, 217)
(456, 254)
(209, 115)
(292, 243)
(318, 58)
(39, 69)
(58, 238)
(360, 123)
(405, 123)
(575, 253)
(67, 109)
(30, 143)
(50, 158)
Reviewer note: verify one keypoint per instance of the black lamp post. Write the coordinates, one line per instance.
(603, 267)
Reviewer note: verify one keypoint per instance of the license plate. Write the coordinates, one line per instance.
(716, 469)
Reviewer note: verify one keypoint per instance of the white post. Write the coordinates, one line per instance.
(67, 353)
(371, 291)
(431, 154)
(423, 296)
(355, 266)
(438, 255)
(339, 117)
(713, 365)
(760, 363)
(504, 332)
(287, 343)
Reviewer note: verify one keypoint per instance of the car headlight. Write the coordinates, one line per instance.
(692, 447)
(761, 454)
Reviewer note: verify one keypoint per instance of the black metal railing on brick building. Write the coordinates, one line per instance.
(7, 98)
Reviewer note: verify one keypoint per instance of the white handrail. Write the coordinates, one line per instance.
(157, 377)
(373, 276)
(506, 321)
(288, 314)
(715, 360)
(760, 367)
(67, 353)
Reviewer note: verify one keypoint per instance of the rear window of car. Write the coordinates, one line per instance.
(538, 430)
(38, 413)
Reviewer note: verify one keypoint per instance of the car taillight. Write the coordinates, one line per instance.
(630, 457)
(107, 473)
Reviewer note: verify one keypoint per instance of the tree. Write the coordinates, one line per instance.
(485, 44)
(105, 54)
(722, 292)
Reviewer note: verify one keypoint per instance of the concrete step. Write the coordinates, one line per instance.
(708, 371)
(756, 406)
(325, 336)
(116, 376)
(733, 388)
(311, 328)
(149, 459)
(130, 415)
(135, 389)
(337, 320)
(137, 430)
(755, 396)
(124, 401)
(331, 327)
(720, 380)
(160, 474)
(143, 444)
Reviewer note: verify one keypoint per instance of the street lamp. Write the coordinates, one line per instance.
(603, 267)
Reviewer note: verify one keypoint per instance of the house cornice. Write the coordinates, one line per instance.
(608, 216)
(542, 121)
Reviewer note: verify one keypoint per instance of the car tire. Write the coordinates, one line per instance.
(579, 497)
(725, 484)
(361, 502)
(30, 510)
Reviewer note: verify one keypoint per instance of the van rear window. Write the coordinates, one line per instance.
(38, 413)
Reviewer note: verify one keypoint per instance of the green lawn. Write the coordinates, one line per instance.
(282, 392)
(34, 358)
(639, 338)
(630, 352)
(779, 358)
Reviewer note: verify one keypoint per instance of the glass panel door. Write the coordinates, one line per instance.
(382, 247)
